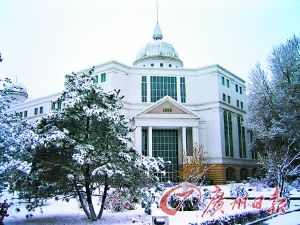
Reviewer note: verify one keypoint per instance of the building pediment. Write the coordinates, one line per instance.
(167, 106)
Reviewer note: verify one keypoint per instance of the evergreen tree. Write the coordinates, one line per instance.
(274, 113)
(16, 137)
(87, 145)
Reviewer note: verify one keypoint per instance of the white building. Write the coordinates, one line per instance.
(175, 108)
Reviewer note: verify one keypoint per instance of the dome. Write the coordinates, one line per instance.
(157, 50)
(15, 87)
(16, 91)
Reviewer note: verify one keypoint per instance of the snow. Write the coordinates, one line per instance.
(63, 213)
(287, 219)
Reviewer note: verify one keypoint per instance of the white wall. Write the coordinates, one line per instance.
(204, 91)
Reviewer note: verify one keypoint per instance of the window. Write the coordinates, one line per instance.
(21, 114)
(95, 79)
(236, 88)
(52, 105)
(238, 103)
(59, 105)
(103, 77)
(228, 99)
(25, 113)
(152, 64)
(56, 105)
(254, 154)
(36, 111)
(41, 109)
(144, 89)
(162, 86)
(227, 82)
(161, 65)
(228, 133)
(170, 65)
(241, 90)
(224, 97)
(182, 90)
(242, 137)
(223, 81)
(230, 174)
(242, 105)
(144, 142)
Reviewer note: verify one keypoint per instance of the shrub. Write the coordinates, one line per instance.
(239, 218)
(296, 184)
(258, 184)
(149, 195)
(238, 191)
(120, 200)
(3, 210)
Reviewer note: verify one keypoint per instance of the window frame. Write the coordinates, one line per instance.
(103, 77)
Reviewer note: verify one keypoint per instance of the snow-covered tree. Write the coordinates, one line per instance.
(87, 146)
(274, 112)
(16, 137)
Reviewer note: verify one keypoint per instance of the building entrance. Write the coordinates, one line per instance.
(165, 145)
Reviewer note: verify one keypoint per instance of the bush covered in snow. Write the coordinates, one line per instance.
(296, 184)
(150, 195)
(239, 218)
(3, 210)
(193, 202)
(120, 200)
(258, 184)
(238, 191)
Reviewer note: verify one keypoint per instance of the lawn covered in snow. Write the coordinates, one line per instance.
(64, 213)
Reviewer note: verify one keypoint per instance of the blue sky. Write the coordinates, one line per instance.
(42, 40)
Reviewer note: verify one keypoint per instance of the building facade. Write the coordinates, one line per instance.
(174, 109)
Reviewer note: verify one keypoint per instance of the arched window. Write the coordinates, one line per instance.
(230, 174)
(244, 174)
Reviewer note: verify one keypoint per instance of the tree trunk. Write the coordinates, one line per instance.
(89, 194)
(103, 199)
(282, 185)
(82, 202)
(87, 177)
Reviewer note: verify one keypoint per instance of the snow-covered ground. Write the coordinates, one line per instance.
(65, 213)
(287, 219)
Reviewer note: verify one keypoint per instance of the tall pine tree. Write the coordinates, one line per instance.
(85, 145)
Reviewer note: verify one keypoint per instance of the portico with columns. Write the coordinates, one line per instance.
(167, 129)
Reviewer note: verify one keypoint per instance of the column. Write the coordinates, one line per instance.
(138, 139)
(195, 133)
(150, 141)
(183, 140)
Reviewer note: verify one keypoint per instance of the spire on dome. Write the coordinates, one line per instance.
(157, 35)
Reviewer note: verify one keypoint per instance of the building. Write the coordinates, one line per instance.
(175, 108)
